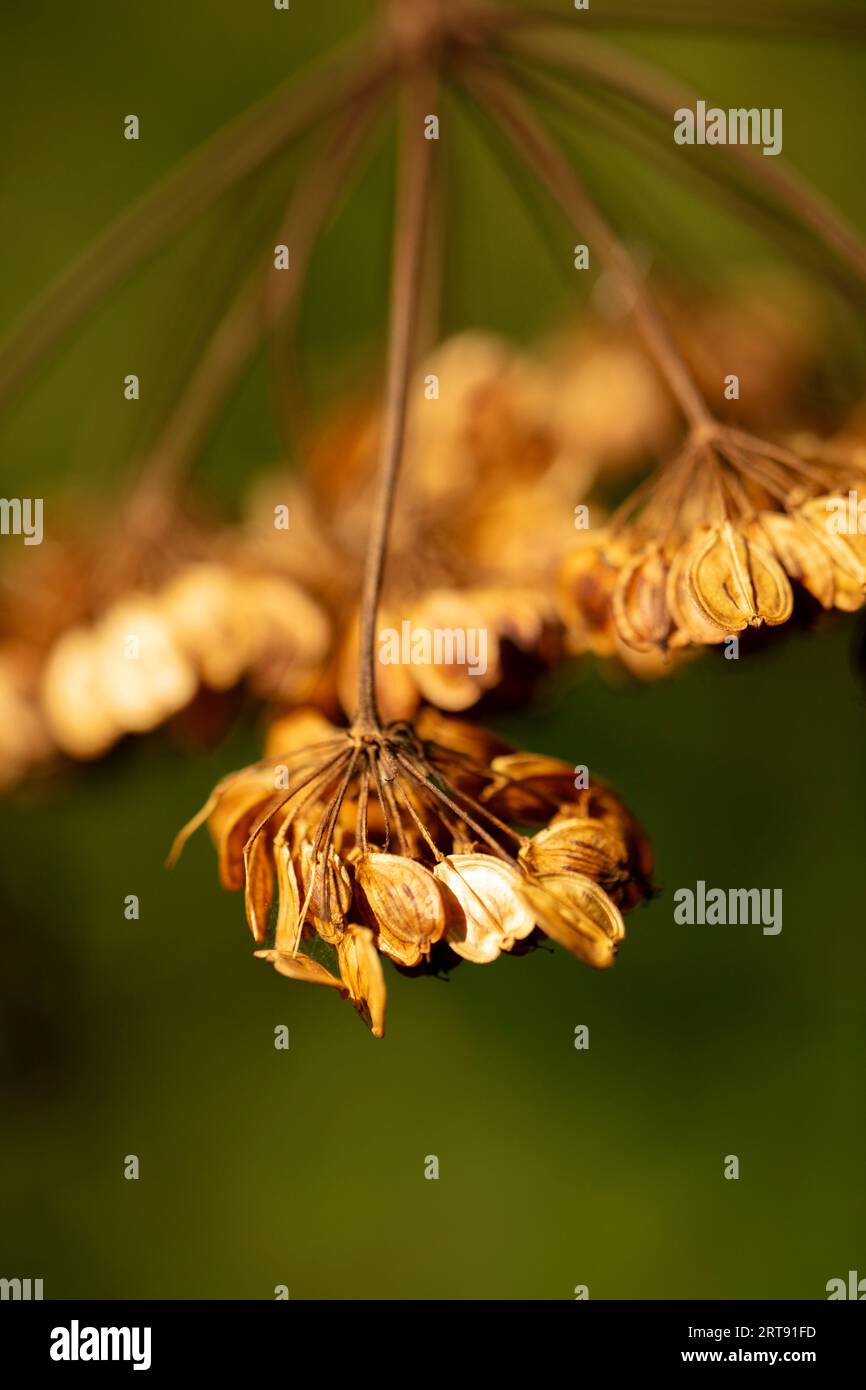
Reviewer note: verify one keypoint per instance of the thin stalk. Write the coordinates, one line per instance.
(413, 195)
(493, 91)
(653, 91)
(236, 151)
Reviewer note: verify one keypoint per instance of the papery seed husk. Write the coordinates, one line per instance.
(403, 901)
(579, 846)
(640, 606)
(287, 933)
(799, 551)
(333, 873)
(494, 915)
(693, 624)
(577, 914)
(231, 820)
(528, 787)
(259, 884)
(738, 583)
(303, 968)
(361, 972)
(587, 582)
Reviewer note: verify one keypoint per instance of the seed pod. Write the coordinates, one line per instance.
(691, 619)
(330, 896)
(738, 583)
(640, 606)
(287, 934)
(577, 914)
(587, 583)
(494, 915)
(579, 846)
(404, 902)
(361, 972)
(304, 968)
(234, 815)
(528, 787)
(258, 883)
(799, 551)
(847, 554)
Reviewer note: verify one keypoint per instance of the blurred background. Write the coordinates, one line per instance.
(154, 1037)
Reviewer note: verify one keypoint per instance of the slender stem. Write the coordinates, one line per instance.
(652, 90)
(495, 92)
(243, 146)
(335, 166)
(414, 185)
(723, 182)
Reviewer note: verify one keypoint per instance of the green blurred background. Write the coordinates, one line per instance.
(558, 1167)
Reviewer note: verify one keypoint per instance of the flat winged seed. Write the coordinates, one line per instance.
(528, 786)
(232, 819)
(577, 914)
(494, 915)
(587, 583)
(799, 551)
(692, 622)
(847, 554)
(404, 902)
(327, 891)
(640, 606)
(361, 972)
(287, 935)
(722, 581)
(259, 884)
(579, 846)
(304, 968)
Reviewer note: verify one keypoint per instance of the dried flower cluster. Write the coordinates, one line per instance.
(426, 845)
(711, 547)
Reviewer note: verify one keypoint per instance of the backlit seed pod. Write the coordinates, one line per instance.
(289, 634)
(232, 819)
(640, 607)
(303, 968)
(579, 846)
(459, 677)
(142, 675)
(799, 551)
(528, 787)
(326, 889)
(287, 933)
(259, 874)
(361, 972)
(847, 553)
(738, 583)
(464, 749)
(404, 902)
(601, 804)
(692, 624)
(586, 587)
(577, 914)
(204, 609)
(493, 915)
(71, 698)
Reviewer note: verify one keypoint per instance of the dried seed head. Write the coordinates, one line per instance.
(387, 843)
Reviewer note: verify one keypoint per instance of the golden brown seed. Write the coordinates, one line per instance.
(404, 902)
(494, 914)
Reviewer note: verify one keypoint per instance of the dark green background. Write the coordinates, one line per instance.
(155, 1037)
